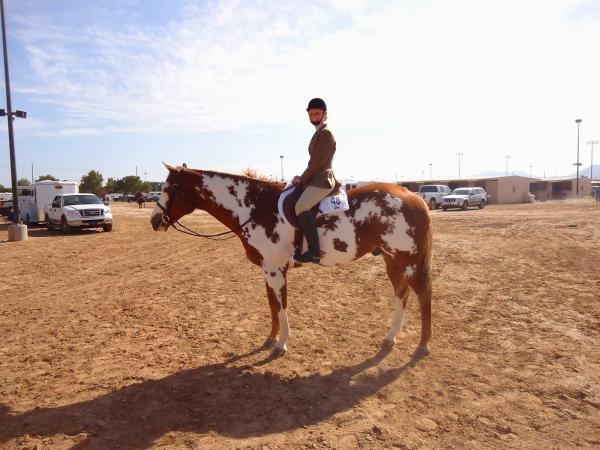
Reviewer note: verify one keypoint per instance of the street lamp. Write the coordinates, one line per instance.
(507, 157)
(459, 154)
(530, 167)
(281, 159)
(17, 231)
(430, 172)
(578, 122)
(592, 159)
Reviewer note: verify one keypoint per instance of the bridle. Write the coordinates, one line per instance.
(166, 220)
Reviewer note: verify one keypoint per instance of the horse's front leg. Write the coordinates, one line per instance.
(274, 305)
(275, 278)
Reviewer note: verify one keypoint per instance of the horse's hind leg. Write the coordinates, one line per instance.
(420, 282)
(400, 285)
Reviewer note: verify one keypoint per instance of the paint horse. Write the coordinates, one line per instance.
(383, 218)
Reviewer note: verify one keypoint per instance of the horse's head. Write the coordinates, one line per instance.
(177, 199)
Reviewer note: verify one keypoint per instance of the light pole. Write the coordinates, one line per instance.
(459, 154)
(507, 157)
(430, 173)
(530, 167)
(592, 159)
(281, 159)
(578, 122)
(18, 231)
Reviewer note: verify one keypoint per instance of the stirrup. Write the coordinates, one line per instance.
(307, 257)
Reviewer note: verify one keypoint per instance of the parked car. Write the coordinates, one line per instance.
(433, 194)
(152, 198)
(464, 197)
(5, 202)
(69, 211)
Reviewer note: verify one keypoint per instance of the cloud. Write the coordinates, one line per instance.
(403, 79)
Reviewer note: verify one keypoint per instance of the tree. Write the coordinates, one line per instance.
(113, 185)
(132, 184)
(3, 188)
(92, 182)
(47, 177)
(23, 182)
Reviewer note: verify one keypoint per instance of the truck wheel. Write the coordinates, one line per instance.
(432, 204)
(464, 206)
(482, 204)
(27, 220)
(107, 227)
(49, 226)
(444, 208)
(64, 225)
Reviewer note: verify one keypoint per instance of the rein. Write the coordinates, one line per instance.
(185, 230)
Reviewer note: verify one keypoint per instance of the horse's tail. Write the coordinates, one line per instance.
(423, 285)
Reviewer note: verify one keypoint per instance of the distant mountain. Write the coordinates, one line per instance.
(586, 172)
(496, 173)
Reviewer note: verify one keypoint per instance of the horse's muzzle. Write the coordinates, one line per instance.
(159, 223)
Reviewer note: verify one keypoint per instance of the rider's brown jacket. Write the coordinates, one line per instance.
(319, 172)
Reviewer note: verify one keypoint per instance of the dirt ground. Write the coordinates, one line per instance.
(135, 339)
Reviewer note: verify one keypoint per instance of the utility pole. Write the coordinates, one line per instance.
(530, 166)
(136, 171)
(281, 161)
(460, 154)
(578, 122)
(507, 157)
(145, 176)
(32, 180)
(430, 173)
(592, 159)
(17, 231)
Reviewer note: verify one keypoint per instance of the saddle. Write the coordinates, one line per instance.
(336, 202)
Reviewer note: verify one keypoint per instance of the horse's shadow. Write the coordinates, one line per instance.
(230, 400)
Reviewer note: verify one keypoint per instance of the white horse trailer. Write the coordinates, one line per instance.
(35, 197)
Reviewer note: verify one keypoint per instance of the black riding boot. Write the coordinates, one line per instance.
(309, 228)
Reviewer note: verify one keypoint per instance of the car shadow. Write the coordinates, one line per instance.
(233, 401)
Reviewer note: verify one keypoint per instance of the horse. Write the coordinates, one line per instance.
(383, 218)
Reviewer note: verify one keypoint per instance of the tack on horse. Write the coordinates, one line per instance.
(383, 218)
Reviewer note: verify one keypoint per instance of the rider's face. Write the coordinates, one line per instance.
(315, 115)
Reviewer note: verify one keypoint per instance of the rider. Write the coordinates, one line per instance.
(318, 179)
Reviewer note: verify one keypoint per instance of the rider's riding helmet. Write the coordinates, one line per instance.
(317, 103)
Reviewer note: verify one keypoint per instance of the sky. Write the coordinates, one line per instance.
(115, 85)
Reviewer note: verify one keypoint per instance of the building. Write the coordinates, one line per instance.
(560, 188)
(509, 188)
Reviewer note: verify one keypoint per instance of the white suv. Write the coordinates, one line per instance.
(433, 194)
(464, 197)
(70, 211)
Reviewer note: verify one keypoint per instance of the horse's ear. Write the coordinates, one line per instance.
(169, 168)
(184, 165)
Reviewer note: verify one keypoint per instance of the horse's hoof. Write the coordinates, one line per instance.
(420, 352)
(269, 342)
(278, 352)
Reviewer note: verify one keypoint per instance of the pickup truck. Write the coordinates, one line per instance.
(433, 194)
(70, 211)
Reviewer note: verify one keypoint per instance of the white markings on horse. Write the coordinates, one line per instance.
(163, 201)
(398, 237)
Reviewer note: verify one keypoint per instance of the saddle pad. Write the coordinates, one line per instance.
(329, 205)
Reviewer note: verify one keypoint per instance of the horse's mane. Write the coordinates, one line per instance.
(252, 173)
(248, 174)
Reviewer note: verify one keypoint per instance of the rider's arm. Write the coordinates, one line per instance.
(319, 156)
